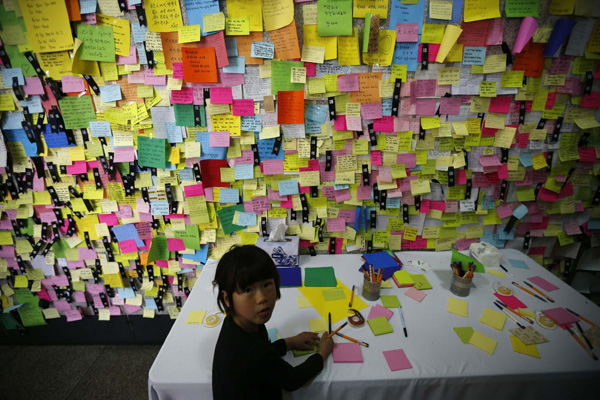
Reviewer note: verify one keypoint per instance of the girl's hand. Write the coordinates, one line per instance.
(325, 346)
(302, 341)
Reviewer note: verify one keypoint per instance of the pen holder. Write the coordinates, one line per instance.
(371, 290)
(460, 286)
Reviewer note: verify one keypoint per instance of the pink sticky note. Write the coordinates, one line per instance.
(450, 105)
(397, 360)
(526, 31)
(415, 294)
(426, 107)
(500, 104)
(272, 167)
(151, 79)
(193, 190)
(573, 228)
(73, 315)
(124, 154)
(243, 107)
(72, 84)
(409, 160)
(347, 353)
(177, 70)
(336, 224)
(495, 32)
(130, 59)
(380, 311)
(503, 171)
(384, 124)
(183, 96)
(407, 32)
(426, 88)
(108, 219)
(175, 244)
(542, 283)
(33, 86)
(560, 316)
(504, 210)
(433, 51)
(221, 95)
(340, 123)
(371, 110)
(511, 301)
(219, 139)
(353, 123)
(348, 83)
(128, 246)
(78, 167)
(376, 157)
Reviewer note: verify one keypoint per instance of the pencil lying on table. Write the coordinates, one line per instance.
(337, 330)
(364, 344)
(539, 291)
(516, 312)
(581, 317)
(583, 346)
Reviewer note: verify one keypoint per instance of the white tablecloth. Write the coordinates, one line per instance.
(443, 367)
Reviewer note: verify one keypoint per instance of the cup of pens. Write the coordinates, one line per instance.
(461, 279)
(371, 283)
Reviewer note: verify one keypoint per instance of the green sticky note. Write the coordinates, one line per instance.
(366, 31)
(98, 42)
(184, 115)
(190, 237)
(464, 333)
(421, 282)
(9, 322)
(521, 8)
(298, 353)
(319, 277)
(380, 326)
(281, 72)
(226, 217)
(334, 17)
(77, 111)
(390, 301)
(31, 316)
(152, 152)
(24, 296)
(333, 294)
(465, 260)
(158, 249)
(18, 60)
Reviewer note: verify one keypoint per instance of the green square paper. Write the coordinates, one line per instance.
(298, 353)
(380, 326)
(319, 277)
(333, 294)
(390, 301)
(464, 333)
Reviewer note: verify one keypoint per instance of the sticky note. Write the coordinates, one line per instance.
(457, 306)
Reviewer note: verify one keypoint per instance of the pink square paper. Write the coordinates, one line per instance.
(397, 360)
(560, 316)
(347, 353)
(542, 283)
(378, 311)
(415, 294)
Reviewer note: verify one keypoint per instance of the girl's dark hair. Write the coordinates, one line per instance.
(241, 267)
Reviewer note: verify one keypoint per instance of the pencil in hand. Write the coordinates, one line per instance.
(337, 330)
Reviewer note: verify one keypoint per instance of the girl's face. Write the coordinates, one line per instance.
(254, 304)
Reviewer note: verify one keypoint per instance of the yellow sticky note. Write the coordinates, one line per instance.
(312, 38)
(433, 33)
(21, 281)
(195, 317)
(214, 22)
(476, 10)
(420, 186)
(440, 9)
(277, 13)
(348, 51)
(163, 15)
(314, 54)
(399, 71)
(44, 37)
(498, 274)
(494, 63)
(251, 9)
(237, 26)
(512, 79)
(430, 122)
(318, 325)
(448, 41)
(189, 33)
(298, 75)
(483, 342)
(539, 161)
(458, 307)
(410, 233)
(493, 318)
(487, 89)
(121, 32)
(302, 302)
(449, 76)
(527, 349)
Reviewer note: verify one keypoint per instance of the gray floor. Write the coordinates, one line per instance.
(75, 372)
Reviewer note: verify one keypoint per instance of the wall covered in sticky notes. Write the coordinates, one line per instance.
(141, 138)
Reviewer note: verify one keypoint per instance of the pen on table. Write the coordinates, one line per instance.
(352, 296)
(364, 344)
(337, 330)
(509, 315)
(528, 291)
(583, 346)
(329, 322)
(539, 291)
(402, 320)
(583, 318)
(516, 312)
(584, 337)
(505, 270)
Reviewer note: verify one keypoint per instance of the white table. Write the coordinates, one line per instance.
(443, 367)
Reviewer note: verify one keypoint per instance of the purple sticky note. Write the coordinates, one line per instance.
(542, 283)
(560, 316)
(397, 360)
(347, 353)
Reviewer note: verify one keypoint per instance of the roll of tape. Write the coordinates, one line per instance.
(544, 321)
(213, 320)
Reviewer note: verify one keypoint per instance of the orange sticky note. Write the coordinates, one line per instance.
(290, 107)
(199, 64)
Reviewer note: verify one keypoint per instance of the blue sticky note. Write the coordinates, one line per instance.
(227, 195)
(474, 55)
(33, 104)
(196, 9)
(407, 53)
(392, 202)
(407, 13)
(207, 152)
(133, 2)
(246, 218)
(316, 113)
(200, 255)
(265, 149)
(244, 171)
(290, 276)
(150, 303)
(272, 335)
(12, 120)
(100, 129)
(262, 50)
(174, 134)
(9, 73)
(159, 207)
(139, 34)
(237, 65)
(520, 211)
(141, 52)
(126, 293)
(518, 263)
(89, 6)
(457, 7)
(19, 135)
(110, 93)
(340, 186)
(231, 46)
(386, 107)
(186, 174)
(560, 33)
(312, 126)
(506, 235)
(487, 202)
(127, 232)
(288, 187)
(56, 140)
(251, 123)
(356, 219)
(526, 159)
(594, 223)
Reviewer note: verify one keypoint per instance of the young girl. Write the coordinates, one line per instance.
(246, 365)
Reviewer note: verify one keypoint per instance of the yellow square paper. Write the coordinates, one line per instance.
(458, 307)
(483, 342)
(195, 317)
(492, 318)
(520, 347)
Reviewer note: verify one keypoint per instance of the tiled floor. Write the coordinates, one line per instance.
(75, 372)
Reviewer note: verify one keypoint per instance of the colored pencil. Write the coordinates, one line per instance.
(364, 344)
(337, 330)
(539, 291)
(580, 316)
(528, 291)
(583, 346)
(351, 297)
